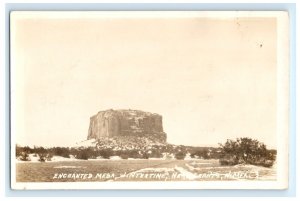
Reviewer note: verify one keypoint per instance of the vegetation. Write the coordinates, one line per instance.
(42, 157)
(232, 152)
(24, 156)
(180, 155)
(246, 151)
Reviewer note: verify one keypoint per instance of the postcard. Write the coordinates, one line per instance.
(149, 99)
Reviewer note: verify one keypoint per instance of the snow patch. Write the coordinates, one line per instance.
(60, 158)
(33, 158)
(200, 163)
(185, 173)
(156, 159)
(115, 158)
(68, 166)
(191, 167)
(188, 157)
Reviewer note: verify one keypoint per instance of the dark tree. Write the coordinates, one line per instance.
(180, 155)
(246, 150)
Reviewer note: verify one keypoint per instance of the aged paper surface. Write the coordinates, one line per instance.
(149, 100)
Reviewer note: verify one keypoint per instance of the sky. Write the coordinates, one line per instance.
(211, 79)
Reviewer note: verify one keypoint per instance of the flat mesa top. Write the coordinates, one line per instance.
(127, 111)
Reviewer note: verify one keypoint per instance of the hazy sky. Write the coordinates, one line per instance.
(211, 79)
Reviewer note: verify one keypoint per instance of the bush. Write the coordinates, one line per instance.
(39, 150)
(49, 157)
(247, 151)
(42, 157)
(106, 153)
(155, 153)
(134, 154)
(20, 151)
(201, 154)
(180, 155)
(124, 156)
(60, 151)
(24, 156)
(145, 155)
(264, 162)
(83, 154)
(228, 160)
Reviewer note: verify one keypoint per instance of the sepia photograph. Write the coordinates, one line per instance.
(149, 99)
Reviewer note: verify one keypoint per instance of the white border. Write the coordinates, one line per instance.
(282, 104)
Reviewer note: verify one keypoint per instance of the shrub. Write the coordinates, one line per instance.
(24, 156)
(61, 151)
(246, 150)
(228, 160)
(134, 154)
(124, 156)
(49, 157)
(145, 155)
(42, 157)
(83, 154)
(39, 150)
(180, 155)
(154, 153)
(106, 153)
(201, 154)
(20, 151)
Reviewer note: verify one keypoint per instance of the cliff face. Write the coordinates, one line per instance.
(119, 123)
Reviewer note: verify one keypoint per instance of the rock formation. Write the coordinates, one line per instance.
(120, 123)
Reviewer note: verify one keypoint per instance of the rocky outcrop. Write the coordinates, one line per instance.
(120, 123)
